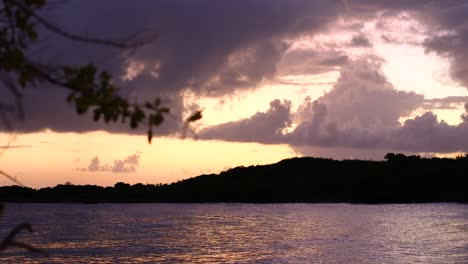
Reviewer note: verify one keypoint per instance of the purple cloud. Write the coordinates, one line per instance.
(217, 48)
(362, 111)
(265, 127)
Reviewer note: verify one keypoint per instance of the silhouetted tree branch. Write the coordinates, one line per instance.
(90, 89)
(23, 5)
(8, 241)
(13, 179)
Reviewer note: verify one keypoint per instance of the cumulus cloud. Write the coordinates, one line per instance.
(127, 165)
(361, 106)
(361, 112)
(426, 134)
(363, 96)
(265, 127)
(361, 103)
(94, 165)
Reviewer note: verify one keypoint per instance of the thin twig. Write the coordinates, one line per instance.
(53, 28)
(8, 241)
(8, 144)
(15, 232)
(12, 178)
(29, 248)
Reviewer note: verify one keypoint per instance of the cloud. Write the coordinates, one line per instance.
(127, 165)
(426, 134)
(363, 109)
(361, 103)
(465, 115)
(449, 36)
(264, 127)
(94, 165)
(454, 47)
(360, 107)
(304, 61)
(360, 41)
(203, 48)
(363, 96)
(361, 112)
(450, 102)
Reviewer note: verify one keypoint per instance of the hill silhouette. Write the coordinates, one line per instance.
(397, 179)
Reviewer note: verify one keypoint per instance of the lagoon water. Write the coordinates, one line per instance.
(240, 233)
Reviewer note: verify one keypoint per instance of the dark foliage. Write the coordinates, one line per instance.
(398, 179)
(90, 89)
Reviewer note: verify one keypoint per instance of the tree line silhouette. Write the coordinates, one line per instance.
(397, 179)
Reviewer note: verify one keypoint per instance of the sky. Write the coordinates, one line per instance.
(275, 79)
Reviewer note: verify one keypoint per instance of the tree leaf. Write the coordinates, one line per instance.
(196, 116)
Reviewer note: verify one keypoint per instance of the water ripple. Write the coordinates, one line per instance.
(241, 233)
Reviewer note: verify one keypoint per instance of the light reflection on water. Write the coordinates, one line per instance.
(241, 233)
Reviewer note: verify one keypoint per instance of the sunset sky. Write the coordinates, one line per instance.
(276, 79)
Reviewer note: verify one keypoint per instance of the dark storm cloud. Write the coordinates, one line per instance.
(215, 48)
(449, 36)
(453, 46)
(370, 6)
(363, 109)
(209, 47)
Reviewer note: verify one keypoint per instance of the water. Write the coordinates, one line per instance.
(240, 233)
